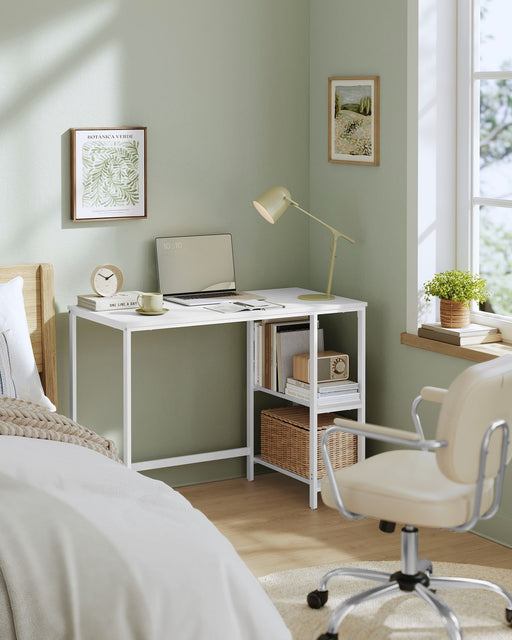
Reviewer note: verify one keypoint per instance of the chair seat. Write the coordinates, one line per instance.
(408, 487)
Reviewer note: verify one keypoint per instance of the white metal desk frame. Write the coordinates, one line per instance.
(128, 321)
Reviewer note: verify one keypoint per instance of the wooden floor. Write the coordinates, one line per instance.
(271, 526)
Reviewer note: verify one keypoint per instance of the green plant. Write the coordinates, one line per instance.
(459, 286)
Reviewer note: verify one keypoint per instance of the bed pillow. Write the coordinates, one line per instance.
(26, 383)
(7, 387)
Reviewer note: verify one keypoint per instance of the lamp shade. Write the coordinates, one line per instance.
(273, 203)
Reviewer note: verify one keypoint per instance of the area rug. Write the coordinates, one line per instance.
(400, 617)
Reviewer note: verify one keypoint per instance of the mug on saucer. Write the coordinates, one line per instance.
(150, 302)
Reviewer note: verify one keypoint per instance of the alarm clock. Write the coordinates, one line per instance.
(106, 280)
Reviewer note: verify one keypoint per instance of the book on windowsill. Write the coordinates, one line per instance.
(331, 386)
(466, 336)
(121, 300)
(472, 330)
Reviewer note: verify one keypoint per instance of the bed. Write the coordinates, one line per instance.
(91, 550)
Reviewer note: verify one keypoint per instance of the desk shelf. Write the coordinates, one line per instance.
(313, 311)
(335, 406)
(288, 306)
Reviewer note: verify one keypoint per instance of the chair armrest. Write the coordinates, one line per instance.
(433, 394)
(388, 434)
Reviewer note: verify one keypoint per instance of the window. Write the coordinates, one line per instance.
(484, 130)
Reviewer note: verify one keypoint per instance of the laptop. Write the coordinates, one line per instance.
(197, 270)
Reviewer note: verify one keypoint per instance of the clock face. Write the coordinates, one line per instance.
(106, 280)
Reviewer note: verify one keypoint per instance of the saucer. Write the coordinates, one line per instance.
(151, 313)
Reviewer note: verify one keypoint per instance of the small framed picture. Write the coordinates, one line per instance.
(354, 120)
(108, 173)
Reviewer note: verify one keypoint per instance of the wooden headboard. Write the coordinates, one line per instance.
(39, 299)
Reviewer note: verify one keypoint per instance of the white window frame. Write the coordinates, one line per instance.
(439, 179)
(468, 149)
(431, 150)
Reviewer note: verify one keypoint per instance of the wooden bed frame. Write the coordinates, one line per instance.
(39, 297)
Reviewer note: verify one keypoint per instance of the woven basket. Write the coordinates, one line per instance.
(285, 441)
(454, 315)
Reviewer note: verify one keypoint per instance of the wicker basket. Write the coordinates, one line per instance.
(285, 441)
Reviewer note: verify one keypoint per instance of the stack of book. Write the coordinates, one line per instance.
(276, 342)
(474, 334)
(121, 300)
(332, 392)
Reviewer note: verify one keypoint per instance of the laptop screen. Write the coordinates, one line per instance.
(190, 264)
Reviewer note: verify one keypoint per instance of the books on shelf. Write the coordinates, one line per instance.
(474, 334)
(121, 300)
(331, 386)
(335, 392)
(276, 341)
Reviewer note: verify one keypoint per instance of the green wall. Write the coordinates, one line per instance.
(223, 88)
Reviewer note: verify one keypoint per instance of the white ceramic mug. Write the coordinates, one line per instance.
(150, 302)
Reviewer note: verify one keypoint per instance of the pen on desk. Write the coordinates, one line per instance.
(249, 307)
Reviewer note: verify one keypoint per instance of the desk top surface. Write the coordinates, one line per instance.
(182, 316)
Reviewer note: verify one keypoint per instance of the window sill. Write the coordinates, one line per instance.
(476, 353)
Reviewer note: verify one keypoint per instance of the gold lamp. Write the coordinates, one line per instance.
(273, 203)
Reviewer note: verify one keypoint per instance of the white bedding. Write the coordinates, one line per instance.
(90, 550)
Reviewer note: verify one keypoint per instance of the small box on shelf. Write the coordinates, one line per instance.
(332, 365)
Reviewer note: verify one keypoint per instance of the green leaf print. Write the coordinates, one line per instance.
(110, 173)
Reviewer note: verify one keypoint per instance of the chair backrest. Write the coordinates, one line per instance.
(479, 396)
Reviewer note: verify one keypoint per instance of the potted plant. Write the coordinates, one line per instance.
(456, 290)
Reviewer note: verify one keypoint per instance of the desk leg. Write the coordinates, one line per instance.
(313, 411)
(127, 398)
(250, 357)
(72, 367)
(361, 375)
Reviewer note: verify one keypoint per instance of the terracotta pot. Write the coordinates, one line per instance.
(454, 315)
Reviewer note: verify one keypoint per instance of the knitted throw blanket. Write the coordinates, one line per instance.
(22, 418)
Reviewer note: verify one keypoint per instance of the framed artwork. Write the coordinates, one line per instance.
(354, 120)
(108, 173)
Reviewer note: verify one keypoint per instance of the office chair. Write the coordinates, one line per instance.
(450, 482)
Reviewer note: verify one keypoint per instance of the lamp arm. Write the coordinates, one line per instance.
(335, 232)
(331, 265)
(335, 235)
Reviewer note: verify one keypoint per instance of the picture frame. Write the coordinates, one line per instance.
(354, 113)
(108, 173)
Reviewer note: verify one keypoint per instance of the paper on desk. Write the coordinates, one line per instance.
(246, 305)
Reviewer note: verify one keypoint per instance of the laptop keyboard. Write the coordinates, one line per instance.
(219, 294)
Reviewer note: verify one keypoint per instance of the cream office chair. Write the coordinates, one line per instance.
(450, 482)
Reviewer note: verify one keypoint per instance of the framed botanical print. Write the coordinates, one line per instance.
(354, 120)
(108, 173)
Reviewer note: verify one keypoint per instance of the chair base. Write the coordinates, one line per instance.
(415, 577)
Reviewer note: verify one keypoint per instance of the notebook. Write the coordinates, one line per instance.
(197, 270)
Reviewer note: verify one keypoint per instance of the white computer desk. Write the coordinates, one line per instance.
(178, 316)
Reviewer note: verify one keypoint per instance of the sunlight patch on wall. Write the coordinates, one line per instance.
(57, 72)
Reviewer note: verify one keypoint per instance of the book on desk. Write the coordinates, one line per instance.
(121, 300)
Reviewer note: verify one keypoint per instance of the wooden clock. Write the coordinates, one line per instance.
(106, 280)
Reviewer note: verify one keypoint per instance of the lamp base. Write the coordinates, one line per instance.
(316, 296)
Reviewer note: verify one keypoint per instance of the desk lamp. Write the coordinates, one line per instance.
(272, 204)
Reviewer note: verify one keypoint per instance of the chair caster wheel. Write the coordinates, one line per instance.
(328, 636)
(316, 600)
(508, 616)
